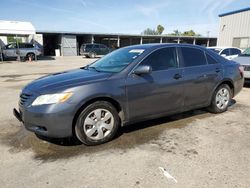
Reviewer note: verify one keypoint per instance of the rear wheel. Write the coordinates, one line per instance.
(97, 123)
(221, 99)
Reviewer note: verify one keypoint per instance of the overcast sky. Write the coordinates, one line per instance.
(120, 16)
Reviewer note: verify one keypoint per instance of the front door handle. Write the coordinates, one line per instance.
(177, 76)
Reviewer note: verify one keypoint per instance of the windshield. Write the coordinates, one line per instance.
(246, 52)
(117, 60)
(216, 50)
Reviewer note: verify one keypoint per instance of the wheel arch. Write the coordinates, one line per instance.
(224, 81)
(114, 102)
(229, 83)
(28, 53)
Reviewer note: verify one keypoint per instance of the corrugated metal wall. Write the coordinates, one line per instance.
(68, 45)
(234, 26)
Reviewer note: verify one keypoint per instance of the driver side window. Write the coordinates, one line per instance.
(225, 52)
(11, 46)
(162, 59)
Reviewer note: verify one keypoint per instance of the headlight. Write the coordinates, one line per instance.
(51, 98)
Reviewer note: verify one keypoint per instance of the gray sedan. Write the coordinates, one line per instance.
(131, 84)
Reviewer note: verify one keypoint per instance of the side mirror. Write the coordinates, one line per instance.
(143, 69)
(223, 55)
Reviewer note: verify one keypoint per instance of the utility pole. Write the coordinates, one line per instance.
(208, 33)
(18, 50)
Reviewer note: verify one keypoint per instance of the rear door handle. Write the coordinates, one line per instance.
(177, 76)
(217, 70)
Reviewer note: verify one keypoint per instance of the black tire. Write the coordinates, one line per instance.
(92, 55)
(32, 55)
(213, 108)
(79, 126)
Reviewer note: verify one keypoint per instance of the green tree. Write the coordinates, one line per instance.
(149, 31)
(189, 33)
(176, 32)
(12, 39)
(160, 29)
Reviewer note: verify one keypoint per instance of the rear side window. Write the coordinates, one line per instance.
(21, 45)
(89, 46)
(235, 51)
(225, 52)
(210, 59)
(162, 59)
(193, 57)
(29, 46)
(102, 46)
(96, 46)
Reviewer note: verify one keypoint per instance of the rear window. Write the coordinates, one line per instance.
(25, 45)
(29, 46)
(210, 59)
(193, 57)
(235, 51)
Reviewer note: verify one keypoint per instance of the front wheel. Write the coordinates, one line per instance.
(92, 55)
(97, 123)
(221, 99)
(31, 56)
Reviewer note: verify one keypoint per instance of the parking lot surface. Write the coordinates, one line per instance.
(197, 149)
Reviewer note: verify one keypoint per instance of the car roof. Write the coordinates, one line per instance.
(92, 44)
(221, 47)
(160, 45)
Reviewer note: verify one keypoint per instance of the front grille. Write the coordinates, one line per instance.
(24, 97)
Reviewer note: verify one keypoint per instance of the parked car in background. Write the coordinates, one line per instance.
(25, 50)
(227, 52)
(94, 50)
(131, 84)
(244, 60)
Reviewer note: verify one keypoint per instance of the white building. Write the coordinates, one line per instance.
(234, 29)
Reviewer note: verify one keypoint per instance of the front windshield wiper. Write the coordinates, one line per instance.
(90, 67)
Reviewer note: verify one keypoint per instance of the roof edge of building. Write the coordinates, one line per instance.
(120, 34)
(234, 12)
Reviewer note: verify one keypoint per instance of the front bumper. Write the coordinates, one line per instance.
(53, 121)
(84, 53)
(247, 74)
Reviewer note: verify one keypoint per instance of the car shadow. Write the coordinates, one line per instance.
(247, 84)
(185, 117)
(130, 136)
(45, 58)
(172, 121)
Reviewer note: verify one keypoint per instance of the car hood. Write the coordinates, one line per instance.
(243, 60)
(65, 80)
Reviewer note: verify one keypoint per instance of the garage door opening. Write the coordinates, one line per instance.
(51, 42)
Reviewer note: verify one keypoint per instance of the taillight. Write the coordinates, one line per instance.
(241, 69)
